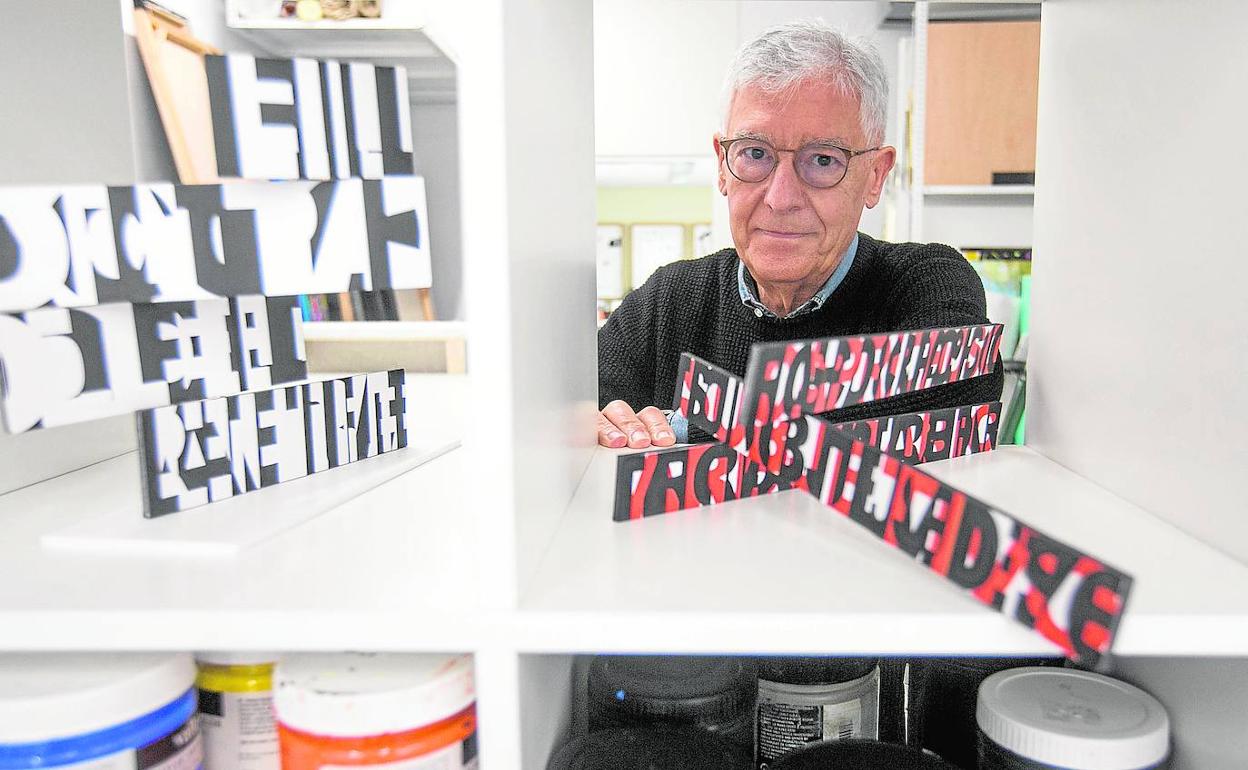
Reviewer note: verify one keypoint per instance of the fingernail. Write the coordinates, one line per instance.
(664, 434)
(640, 435)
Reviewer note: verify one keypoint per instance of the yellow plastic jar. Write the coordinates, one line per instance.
(236, 710)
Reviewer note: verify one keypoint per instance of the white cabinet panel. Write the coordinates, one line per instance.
(1138, 345)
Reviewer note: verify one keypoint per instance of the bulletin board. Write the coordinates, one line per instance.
(702, 240)
(610, 261)
(652, 246)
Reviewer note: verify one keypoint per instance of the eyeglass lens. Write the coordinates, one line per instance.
(818, 165)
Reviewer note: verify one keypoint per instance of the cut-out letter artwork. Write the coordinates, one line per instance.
(204, 451)
(658, 481)
(785, 380)
(661, 481)
(864, 472)
(91, 245)
(67, 365)
(306, 119)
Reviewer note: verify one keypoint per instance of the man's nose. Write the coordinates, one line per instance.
(784, 187)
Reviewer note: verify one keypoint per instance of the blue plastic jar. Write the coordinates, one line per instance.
(119, 712)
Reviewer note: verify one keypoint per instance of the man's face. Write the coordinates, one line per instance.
(787, 232)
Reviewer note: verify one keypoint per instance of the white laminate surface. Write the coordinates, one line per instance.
(391, 562)
(781, 573)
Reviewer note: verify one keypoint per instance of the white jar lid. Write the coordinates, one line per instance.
(236, 658)
(1073, 719)
(47, 696)
(353, 695)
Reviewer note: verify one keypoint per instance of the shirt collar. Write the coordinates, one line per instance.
(749, 289)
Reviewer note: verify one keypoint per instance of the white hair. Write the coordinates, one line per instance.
(801, 51)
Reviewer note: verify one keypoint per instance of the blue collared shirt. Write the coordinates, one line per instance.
(749, 297)
(749, 289)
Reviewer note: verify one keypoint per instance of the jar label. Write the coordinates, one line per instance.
(791, 716)
(183, 749)
(240, 730)
(459, 756)
(180, 750)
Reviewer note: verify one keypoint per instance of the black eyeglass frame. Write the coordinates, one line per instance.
(724, 144)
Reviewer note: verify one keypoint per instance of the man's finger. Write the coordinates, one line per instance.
(609, 435)
(625, 419)
(661, 433)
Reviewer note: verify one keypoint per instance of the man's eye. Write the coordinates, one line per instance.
(824, 160)
(755, 153)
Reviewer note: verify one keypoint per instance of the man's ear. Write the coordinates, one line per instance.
(880, 165)
(719, 166)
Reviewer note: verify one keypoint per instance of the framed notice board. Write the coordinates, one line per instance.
(610, 261)
(652, 246)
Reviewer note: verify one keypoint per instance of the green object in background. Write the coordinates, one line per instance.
(625, 205)
(1024, 305)
(1024, 325)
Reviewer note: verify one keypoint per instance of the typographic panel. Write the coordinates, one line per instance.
(204, 451)
(67, 365)
(785, 380)
(90, 244)
(307, 119)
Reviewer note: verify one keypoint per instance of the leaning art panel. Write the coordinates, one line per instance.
(205, 451)
(67, 365)
(91, 245)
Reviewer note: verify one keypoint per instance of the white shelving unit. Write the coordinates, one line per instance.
(987, 190)
(346, 25)
(948, 202)
(392, 536)
(505, 548)
(401, 15)
(786, 574)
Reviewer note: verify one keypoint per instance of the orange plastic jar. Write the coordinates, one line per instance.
(400, 712)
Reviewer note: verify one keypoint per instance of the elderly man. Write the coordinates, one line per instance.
(800, 155)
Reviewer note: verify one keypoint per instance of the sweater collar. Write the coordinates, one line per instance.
(749, 289)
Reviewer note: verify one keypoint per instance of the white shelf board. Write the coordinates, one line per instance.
(985, 190)
(783, 574)
(392, 564)
(346, 25)
(384, 331)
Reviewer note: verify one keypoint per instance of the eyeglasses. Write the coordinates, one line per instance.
(818, 164)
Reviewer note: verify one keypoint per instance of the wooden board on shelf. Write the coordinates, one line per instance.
(174, 60)
(982, 93)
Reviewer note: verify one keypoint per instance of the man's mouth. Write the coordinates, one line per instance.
(785, 234)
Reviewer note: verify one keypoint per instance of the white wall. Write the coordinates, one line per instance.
(435, 144)
(658, 72)
(1207, 699)
(962, 221)
(1137, 369)
(62, 127)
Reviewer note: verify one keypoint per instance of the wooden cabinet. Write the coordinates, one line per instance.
(982, 84)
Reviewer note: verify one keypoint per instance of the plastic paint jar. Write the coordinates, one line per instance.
(855, 754)
(808, 700)
(403, 712)
(236, 710)
(1065, 719)
(943, 695)
(650, 748)
(117, 712)
(715, 694)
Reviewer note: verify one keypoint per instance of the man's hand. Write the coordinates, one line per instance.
(620, 426)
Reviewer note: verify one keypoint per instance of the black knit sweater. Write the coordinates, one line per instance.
(695, 306)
